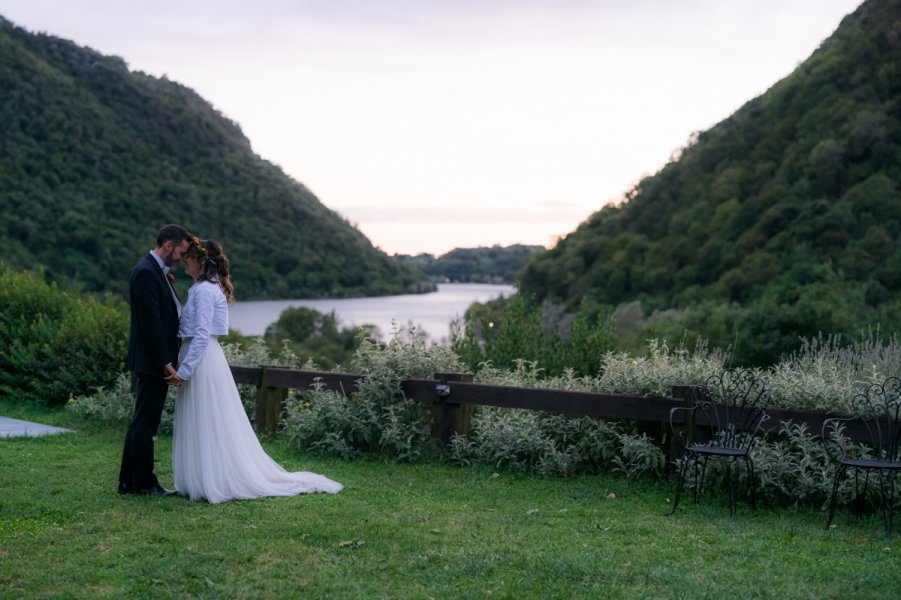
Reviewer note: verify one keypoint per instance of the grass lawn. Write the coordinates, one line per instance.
(405, 531)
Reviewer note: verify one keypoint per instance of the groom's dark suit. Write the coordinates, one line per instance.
(152, 344)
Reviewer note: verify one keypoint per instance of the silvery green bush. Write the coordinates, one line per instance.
(792, 466)
(554, 444)
(378, 417)
(826, 374)
(116, 402)
(660, 369)
(107, 403)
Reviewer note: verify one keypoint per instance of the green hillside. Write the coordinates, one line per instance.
(94, 158)
(783, 220)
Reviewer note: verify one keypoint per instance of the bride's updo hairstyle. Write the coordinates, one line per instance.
(216, 267)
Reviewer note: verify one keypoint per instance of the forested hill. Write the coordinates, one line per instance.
(495, 264)
(781, 221)
(94, 158)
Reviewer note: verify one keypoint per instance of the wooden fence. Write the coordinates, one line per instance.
(451, 396)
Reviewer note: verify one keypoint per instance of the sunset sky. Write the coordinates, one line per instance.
(458, 123)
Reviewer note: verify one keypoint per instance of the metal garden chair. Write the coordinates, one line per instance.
(724, 421)
(878, 416)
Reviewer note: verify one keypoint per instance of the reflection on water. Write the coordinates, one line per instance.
(431, 313)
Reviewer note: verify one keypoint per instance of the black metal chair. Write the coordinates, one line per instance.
(878, 417)
(724, 421)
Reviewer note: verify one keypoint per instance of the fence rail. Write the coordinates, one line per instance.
(451, 396)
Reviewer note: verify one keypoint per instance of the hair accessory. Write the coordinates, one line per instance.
(199, 248)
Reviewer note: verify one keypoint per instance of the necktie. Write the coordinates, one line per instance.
(172, 291)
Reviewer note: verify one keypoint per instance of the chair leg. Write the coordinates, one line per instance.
(839, 472)
(859, 504)
(679, 484)
(699, 481)
(749, 464)
(730, 475)
(866, 484)
(887, 496)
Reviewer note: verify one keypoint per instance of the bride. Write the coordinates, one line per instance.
(215, 452)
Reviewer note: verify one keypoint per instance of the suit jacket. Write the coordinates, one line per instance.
(153, 334)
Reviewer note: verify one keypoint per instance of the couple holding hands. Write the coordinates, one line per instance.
(216, 455)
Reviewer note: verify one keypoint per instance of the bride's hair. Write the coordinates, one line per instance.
(216, 268)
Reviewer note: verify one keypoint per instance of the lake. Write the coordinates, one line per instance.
(431, 313)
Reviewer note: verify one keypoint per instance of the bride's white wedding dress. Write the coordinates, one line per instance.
(215, 452)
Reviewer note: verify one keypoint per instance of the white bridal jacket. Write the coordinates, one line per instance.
(204, 315)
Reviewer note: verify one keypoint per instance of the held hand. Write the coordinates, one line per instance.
(171, 375)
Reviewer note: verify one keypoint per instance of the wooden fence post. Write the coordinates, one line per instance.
(268, 406)
(449, 417)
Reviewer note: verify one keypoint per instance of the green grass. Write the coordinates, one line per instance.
(405, 531)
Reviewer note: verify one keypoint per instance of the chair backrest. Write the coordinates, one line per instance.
(879, 408)
(732, 406)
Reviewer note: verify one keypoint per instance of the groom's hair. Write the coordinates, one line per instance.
(172, 232)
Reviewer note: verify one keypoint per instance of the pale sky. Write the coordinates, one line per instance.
(435, 124)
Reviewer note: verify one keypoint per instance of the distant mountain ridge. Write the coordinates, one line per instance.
(494, 264)
(94, 158)
(783, 220)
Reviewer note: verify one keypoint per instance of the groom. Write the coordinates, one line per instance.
(152, 355)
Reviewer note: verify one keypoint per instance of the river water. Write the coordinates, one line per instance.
(431, 313)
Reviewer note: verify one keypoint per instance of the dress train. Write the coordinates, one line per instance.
(215, 453)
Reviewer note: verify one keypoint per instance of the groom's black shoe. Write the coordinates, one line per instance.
(156, 490)
(124, 489)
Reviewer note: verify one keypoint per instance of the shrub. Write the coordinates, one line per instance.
(107, 403)
(58, 343)
(116, 401)
(325, 421)
(506, 330)
(378, 417)
(554, 444)
(791, 467)
(309, 332)
(826, 374)
(656, 373)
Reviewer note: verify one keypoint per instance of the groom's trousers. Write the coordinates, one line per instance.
(136, 471)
